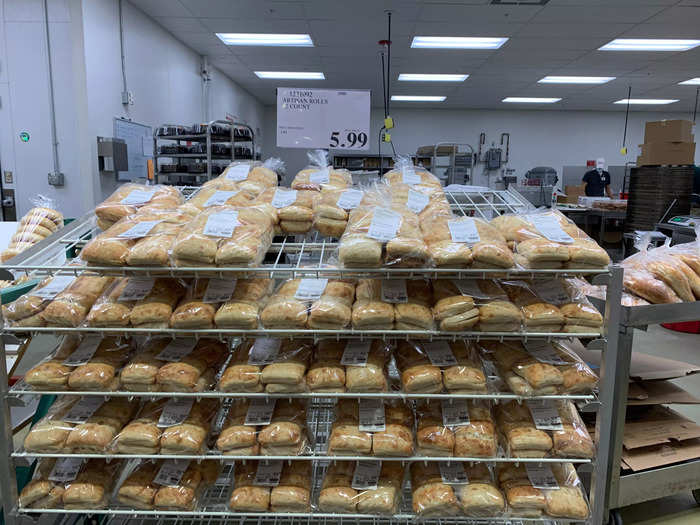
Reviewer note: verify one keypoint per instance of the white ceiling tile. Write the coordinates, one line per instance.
(676, 15)
(534, 43)
(362, 9)
(246, 25)
(180, 24)
(476, 14)
(613, 3)
(155, 8)
(268, 9)
(574, 30)
(657, 30)
(453, 28)
(593, 14)
(340, 32)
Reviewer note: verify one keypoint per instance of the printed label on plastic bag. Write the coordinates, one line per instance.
(464, 230)
(86, 349)
(138, 197)
(440, 353)
(171, 471)
(551, 228)
(490, 368)
(268, 473)
(219, 197)
(453, 473)
(416, 201)
(83, 409)
(394, 291)
(264, 351)
(366, 475)
(175, 412)
(284, 198)
(219, 290)
(372, 415)
(221, 224)
(356, 353)
(552, 291)
(350, 199)
(137, 288)
(260, 411)
(238, 172)
(66, 469)
(545, 414)
(322, 176)
(409, 176)
(177, 349)
(455, 412)
(541, 476)
(53, 288)
(310, 289)
(385, 223)
(544, 352)
(138, 230)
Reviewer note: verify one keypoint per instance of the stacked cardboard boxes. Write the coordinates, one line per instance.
(667, 142)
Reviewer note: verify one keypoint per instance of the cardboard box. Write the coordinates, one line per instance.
(654, 153)
(659, 455)
(658, 393)
(573, 193)
(669, 131)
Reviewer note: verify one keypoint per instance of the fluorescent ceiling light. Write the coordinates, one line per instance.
(691, 82)
(299, 75)
(649, 44)
(458, 42)
(574, 80)
(417, 98)
(420, 77)
(647, 101)
(532, 100)
(265, 39)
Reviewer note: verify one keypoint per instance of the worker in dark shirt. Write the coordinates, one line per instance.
(598, 181)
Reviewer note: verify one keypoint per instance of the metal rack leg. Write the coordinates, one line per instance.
(8, 479)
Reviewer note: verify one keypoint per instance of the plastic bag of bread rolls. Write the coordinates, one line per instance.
(331, 209)
(240, 374)
(92, 486)
(289, 304)
(26, 309)
(142, 434)
(342, 364)
(480, 496)
(404, 172)
(580, 316)
(140, 372)
(171, 484)
(271, 486)
(113, 307)
(286, 433)
(346, 438)
(239, 435)
(369, 374)
(326, 372)
(333, 308)
(284, 363)
(49, 434)
(212, 195)
(192, 365)
(93, 435)
(194, 311)
(252, 178)
(688, 253)
(154, 310)
(412, 299)
(250, 494)
(224, 236)
(38, 223)
(538, 314)
(70, 307)
(338, 495)
(95, 363)
(292, 209)
(242, 309)
(417, 370)
(431, 496)
(467, 376)
(319, 174)
(129, 198)
(45, 489)
(186, 431)
(370, 311)
(51, 373)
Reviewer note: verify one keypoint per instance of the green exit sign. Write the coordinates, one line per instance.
(24, 136)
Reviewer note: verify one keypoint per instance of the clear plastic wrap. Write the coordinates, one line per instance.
(240, 375)
(370, 311)
(225, 236)
(431, 496)
(92, 487)
(689, 253)
(404, 172)
(237, 438)
(51, 373)
(26, 309)
(129, 198)
(140, 372)
(288, 306)
(286, 434)
(371, 375)
(98, 371)
(333, 309)
(578, 312)
(70, 307)
(275, 487)
(600, 291)
(414, 312)
(108, 310)
(320, 174)
(96, 432)
(539, 315)
(327, 371)
(38, 223)
(155, 309)
(251, 177)
(242, 310)
(291, 210)
(189, 434)
(142, 434)
(211, 195)
(193, 311)
(331, 209)
(167, 484)
(284, 361)
(338, 495)
(45, 489)
(49, 434)
(197, 370)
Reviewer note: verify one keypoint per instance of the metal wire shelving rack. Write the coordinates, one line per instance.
(49, 257)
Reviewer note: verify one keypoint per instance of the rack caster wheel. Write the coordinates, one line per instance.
(615, 518)
(696, 495)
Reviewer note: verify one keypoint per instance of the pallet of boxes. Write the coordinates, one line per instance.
(667, 142)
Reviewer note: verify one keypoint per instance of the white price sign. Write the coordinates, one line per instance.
(171, 471)
(453, 473)
(541, 476)
(65, 469)
(551, 228)
(372, 417)
(137, 288)
(323, 118)
(260, 411)
(84, 352)
(238, 172)
(175, 411)
(455, 412)
(264, 351)
(219, 290)
(394, 291)
(545, 414)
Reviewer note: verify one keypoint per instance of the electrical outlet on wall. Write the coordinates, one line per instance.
(127, 98)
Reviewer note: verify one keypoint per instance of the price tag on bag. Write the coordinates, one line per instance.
(138, 230)
(552, 291)
(490, 369)
(372, 415)
(83, 409)
(385, 223)
(394, 291)
(238, 172)
(350, 199)
(171, 472)
(86, 349)
(453, 473)
(416, 201)
(356, 353)
(551, 228)
(221, 224)
(545, 414)
(464, 230)
(219, 197)
(177, 349)
(219, 290)
(409, 176)
(322, 176)
(175, 411)
(366, 475)
(66, 469)
(541, 476)
(138, 197)
(53, 288)
(264, 351)
(310, 289)
(137, 288)
(284, 198)
(260, 411)
(455, 412)
(544, 352)
(268, 473)
(440, 353)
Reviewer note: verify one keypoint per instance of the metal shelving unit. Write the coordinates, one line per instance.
(207, 139)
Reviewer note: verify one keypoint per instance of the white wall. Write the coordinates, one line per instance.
(537, 138)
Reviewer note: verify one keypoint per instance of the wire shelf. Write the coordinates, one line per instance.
(486, 203)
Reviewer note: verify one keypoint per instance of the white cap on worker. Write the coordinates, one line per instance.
(600, 163)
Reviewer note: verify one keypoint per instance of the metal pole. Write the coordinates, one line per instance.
(8, 478)
(52, 108)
